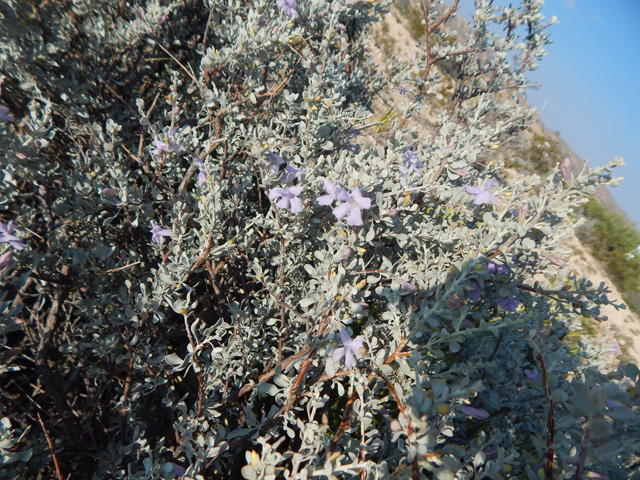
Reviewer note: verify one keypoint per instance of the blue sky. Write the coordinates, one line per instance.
(591, 85)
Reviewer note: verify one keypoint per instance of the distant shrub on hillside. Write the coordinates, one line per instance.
(613, 241)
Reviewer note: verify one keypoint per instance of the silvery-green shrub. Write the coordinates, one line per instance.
(234, 269)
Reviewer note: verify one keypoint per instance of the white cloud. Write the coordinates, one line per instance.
(571, 4)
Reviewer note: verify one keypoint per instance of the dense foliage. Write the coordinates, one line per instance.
(215, 266)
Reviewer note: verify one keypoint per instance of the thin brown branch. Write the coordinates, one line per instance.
(53, 452)
(206, 30)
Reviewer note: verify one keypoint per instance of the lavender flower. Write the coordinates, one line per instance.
(5, 115)
(483, 193)
(474, 289)
(289, 198)
(508, 304)
(292, 174)
(353, 205)
(611, 403)
(341, 27)
(351, 348)
(475, 412)
(203, 172)
(531, 374)
(409, 287)
(333, 191)
(404, 89)
(289, 7)
(5, 259)
(166, 145)
(496, 269)
(157, 232)
(411, 162)
(6, 236)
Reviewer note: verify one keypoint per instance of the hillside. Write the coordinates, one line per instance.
(535, 150)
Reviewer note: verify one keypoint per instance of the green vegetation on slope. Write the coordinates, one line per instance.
(613, 240)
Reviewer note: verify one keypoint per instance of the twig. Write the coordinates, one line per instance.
(206, 30)
(345, 422)
(53, 453)
(403, 411)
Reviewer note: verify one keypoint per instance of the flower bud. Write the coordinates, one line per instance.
(522, 212)
(565, 167)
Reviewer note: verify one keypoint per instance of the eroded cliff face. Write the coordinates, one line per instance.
(535, 150)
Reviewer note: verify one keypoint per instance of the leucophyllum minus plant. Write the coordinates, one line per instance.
(213, 356)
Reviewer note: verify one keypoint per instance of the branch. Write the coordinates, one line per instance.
(53, 453)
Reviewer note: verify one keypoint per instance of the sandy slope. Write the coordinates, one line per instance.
(623, 324)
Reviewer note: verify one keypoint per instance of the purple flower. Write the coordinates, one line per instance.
(353, 205)
(288, 198)
(475, 412)
(474, 290)
(409, 287)
(611, 403)
(351, 348)
(404, 89)
(346, 253)
(109, 191)
(5, 115)
(332, 189)
(289, 7)
(531, 374)
(483, 193)
(496, 269)
(5, 259)
(6, 236)
(166, 145)
(292, 174)
(341, 27)
(565, 168)
(275, 162)
(411, 162)
(203, 173)
(508, 304)
(157, 232)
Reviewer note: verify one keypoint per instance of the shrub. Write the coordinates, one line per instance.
(221, 279)
(613, 241)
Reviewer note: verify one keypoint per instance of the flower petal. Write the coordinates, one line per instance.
(472, 190)
(338, 353)
(363, 202)
(296, 205)
(345, 337)
(475, 412)
(326, 199)
(283, 203)
(350, 361)
(341, 210)
(355, 218)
